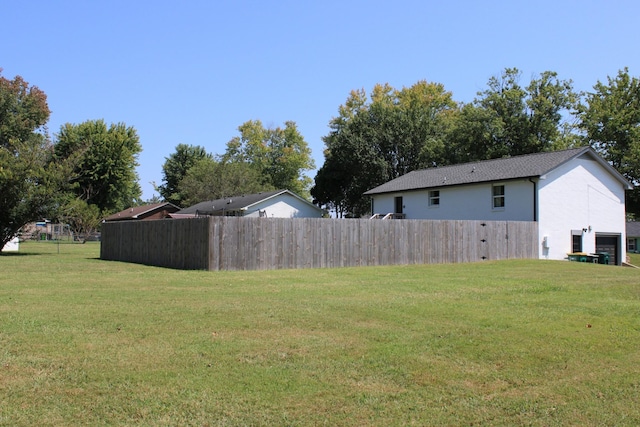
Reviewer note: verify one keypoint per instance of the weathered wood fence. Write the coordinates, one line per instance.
(231, 243)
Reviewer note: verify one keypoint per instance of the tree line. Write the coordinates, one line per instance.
(88, 170)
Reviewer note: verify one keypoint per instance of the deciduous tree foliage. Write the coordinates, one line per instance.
(373, 141)
(30, 182)
(610, 121)
(82, 217)
(209, 179)
(175, 168)
(397, 131)
(105, 175)
(281, 156)
(507, 119)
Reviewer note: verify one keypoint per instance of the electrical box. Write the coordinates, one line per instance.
(545, 242)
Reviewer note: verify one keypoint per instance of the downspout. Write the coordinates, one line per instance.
(535, 199)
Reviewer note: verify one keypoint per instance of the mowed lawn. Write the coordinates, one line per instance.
(90, 342)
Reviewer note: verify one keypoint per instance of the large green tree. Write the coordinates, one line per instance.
(610, 122)
(281, 156)
(105, 175)
(378, 139)
(508, 119)
(175, 169)
(30, 180)
(209, 179)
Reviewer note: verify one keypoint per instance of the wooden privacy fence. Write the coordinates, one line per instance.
(233, 243)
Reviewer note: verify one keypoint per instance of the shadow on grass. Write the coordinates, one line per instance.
(10, 254)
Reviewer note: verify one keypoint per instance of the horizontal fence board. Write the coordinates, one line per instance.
(233, 243)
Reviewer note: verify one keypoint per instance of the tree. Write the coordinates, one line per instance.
(508, 120)
(82, 217)
(209, 179)
(175, 169)
(280, 156)
(30, 180)
(396, 132)
(610, 121)
(105, 175)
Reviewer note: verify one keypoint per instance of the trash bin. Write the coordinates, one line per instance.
(579, 257)
(603, 257)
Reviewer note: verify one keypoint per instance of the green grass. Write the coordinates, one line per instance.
(89, 342)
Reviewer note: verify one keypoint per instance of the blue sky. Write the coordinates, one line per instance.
(193, 71)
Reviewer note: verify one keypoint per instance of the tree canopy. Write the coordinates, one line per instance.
(397, 131)
(105, 174)
(209, 179)
(175, 168)
(30, 180)
(281, 156)
(507, 119)
(377, 139)
(610, 121)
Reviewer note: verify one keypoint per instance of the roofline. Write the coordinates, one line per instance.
(156, 206)
(437, 187)
(585, 150)
(243, 208)
(159, 205)
(611, 169)
(278, 194)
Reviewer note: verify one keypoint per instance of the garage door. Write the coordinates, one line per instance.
(610, 244)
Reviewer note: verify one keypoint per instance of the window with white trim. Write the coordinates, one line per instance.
(498, 196)
(434, 198)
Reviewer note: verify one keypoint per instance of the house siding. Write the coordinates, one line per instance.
(283, 206)
(471, 202)
(578, 195)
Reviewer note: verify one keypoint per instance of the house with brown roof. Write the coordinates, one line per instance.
(145, 212)
(576, 197)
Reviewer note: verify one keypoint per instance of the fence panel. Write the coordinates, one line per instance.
(233, 243)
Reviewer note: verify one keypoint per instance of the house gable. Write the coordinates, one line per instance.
(278, 203)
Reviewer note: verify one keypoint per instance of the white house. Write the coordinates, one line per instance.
(268, 204)
(576, 197)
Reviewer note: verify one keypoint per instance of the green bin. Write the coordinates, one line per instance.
(603, 257)
(577, 257)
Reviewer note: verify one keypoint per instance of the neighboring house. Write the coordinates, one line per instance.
(576, 197)
(270, 204)
(146, 212)
(633, 237)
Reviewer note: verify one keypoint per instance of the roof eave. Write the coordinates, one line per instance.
(372, 193)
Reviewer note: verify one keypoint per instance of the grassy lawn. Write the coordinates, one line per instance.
(89, 342)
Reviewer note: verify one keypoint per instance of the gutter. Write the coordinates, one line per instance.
(535, 199)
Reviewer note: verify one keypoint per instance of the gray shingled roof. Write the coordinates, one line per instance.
(233, 203)
(526, 166)
(633, 229)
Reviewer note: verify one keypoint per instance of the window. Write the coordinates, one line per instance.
(498, 196)
(434, 198)
(631, 245)
(576, 241)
